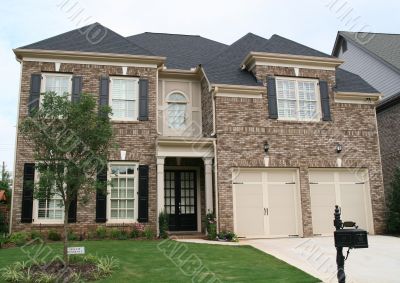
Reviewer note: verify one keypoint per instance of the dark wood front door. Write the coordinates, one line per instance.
(181, 200)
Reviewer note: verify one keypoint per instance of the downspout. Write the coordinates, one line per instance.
(15, 147)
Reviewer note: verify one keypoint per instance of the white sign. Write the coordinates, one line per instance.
(76, 250)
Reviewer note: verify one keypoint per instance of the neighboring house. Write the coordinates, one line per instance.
(375, 57)
(268, 134)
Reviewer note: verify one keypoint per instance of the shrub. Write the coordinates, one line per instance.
(19, 238)
(137, 230)
(72, 236)
(393, 222)
(12, 273)
(54, 235)
(3, 224)
(46, 278)
(123, 235)
(149, 233)
(91, 234)
(227, 236)
(163, 224)
(211, 226)
(115, 234)
(101, 232)
(106, 265)
(36, 235)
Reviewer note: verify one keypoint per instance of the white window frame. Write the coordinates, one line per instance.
(35, 212)
(110, 98)
(135, 193)
(43, 84)
(188, 115)
(318, 117)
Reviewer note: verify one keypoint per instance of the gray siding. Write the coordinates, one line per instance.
(370, 69)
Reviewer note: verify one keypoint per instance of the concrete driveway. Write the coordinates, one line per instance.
(317, 256)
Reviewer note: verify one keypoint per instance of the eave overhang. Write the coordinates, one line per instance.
(357, 97)
(276, 59)
(84, 56)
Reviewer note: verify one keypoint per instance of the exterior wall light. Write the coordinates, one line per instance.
(266, 147)
(339, 148)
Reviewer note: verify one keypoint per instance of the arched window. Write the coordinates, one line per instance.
(176, 110)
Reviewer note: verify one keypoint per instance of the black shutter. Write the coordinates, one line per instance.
(101, 198)
(104, 91)
(326, 109)
(27, 192)
(143, 210)
(34, 93)
(272, 100)
(76, 88)
(72, 210)
(143, 100)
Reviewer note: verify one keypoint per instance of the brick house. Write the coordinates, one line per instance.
(375, 57)
(268, 134)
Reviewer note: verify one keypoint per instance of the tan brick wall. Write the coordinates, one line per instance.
(243, 127)
(206, 109)
(137, 138)
(389, 136)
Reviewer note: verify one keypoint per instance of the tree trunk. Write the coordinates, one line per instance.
(66, 259)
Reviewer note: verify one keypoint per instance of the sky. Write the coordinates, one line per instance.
(311, 22)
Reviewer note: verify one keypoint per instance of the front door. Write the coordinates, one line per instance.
(180, 200)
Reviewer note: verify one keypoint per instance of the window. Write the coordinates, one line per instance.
(176, 110)
(298, 99)
(122, 193)
(124, 98)
(58, 83)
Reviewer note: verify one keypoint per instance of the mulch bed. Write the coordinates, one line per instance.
(86, 270)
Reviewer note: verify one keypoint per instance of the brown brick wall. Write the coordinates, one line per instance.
(137, 138)
(243, 127)
(389, 136)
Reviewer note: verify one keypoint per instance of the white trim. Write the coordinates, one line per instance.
(290, 65)
(357, 97)
(237, 95)
(135, 79)
(135, 193)
(50, 74)
(16, 147)
(89, 62)
(317, 95)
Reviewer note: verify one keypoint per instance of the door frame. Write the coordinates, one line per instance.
(367, 195)
(198, 193)
(298, 208)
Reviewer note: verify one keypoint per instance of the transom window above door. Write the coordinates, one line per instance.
(176, 110)
(124, 98)
(298, 99)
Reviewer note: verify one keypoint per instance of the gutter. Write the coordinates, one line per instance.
(389, 102)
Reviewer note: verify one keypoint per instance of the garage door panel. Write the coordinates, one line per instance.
(247, 176)
(321, 176)
(281, 206)
(353, 204)
(249, 209)
(323, 200)
(281, 176)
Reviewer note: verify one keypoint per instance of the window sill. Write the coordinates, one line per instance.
(52, 224)
(302, 121)
(119, 223)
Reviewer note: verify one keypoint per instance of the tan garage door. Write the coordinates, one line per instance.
(346, 188)
(266, 203)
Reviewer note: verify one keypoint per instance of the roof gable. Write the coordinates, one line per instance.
(182, 51)
(91, 38)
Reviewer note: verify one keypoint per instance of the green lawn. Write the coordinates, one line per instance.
(156, 261)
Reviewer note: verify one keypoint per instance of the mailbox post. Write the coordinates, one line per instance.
(339, 250)
(353, 238)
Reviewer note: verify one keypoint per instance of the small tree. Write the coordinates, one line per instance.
(70, 141)
(393, 224)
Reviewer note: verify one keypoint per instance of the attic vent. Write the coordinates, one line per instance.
(344, 45)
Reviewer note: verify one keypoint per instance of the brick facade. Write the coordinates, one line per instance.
(243, 126)
(389, 133)
(137, 138)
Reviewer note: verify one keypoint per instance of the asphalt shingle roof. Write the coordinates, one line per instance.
(349, 82)
(87, 39)
(182, 51)
(221, 62)
(384, 46)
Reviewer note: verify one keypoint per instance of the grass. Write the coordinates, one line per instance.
(156, 261)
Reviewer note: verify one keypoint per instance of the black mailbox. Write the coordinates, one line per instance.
(351, 238)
